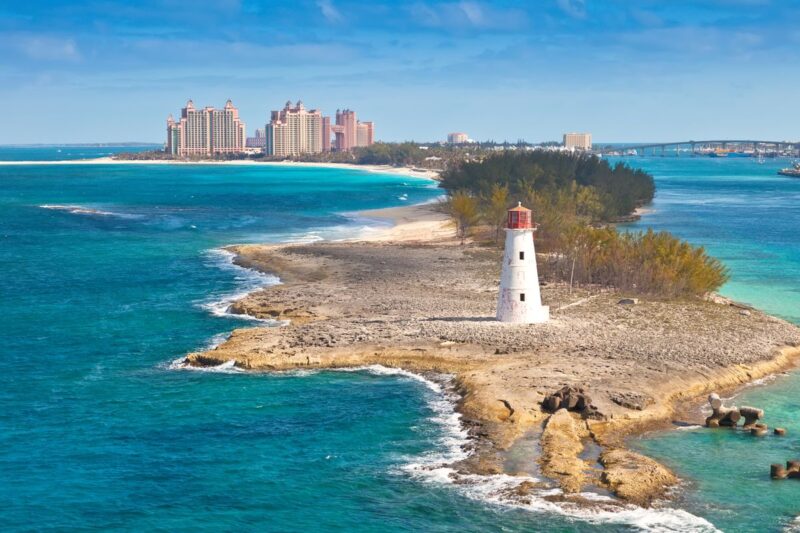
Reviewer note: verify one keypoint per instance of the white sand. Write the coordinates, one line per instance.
(382, 169)
(413, 223)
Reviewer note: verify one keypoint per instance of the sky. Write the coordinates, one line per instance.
(624, 70)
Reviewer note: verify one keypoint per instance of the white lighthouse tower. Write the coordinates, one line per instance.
(520, 300)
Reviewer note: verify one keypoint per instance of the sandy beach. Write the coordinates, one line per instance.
(411, 297)
(382, 169)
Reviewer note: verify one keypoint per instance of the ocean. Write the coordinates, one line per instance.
(109, 274)
(747, 216)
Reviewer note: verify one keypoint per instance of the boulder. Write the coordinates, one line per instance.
(751, 416)
(573, 399)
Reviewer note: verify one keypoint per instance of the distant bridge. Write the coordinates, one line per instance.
(789, 147)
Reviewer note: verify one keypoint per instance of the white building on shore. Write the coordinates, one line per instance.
(520, 299)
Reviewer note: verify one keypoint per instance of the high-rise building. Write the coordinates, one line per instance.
(294, 131)
(457, 138)
(578, 141)
(345, 130)
(326, 134)
(365, 134)
(258, 141)
(350, 132)
(206, 132)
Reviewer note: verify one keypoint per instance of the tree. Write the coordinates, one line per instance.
(494, 209)
(620, 189)
(588, 203)
(463, 208)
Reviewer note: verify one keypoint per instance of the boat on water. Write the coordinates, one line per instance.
(719, 153)
(793, 172)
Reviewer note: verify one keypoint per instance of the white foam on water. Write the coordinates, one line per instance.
(765, 380)
(247, 281)
(215, 341)
(454, 445)
(309, 237)
(299, 372)
(89, 211)
(228, 367)
(793, 526)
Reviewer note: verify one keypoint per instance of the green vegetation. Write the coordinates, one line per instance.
(575, 198)
(389, 154)
(463, 209)
(638, 262)
(619, 189)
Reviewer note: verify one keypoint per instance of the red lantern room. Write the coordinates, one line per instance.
(520, 217)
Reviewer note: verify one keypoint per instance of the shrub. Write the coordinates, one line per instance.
(640, 262)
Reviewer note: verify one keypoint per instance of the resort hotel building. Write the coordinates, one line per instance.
(457, 138)
(578, 141)
(205, 132)
(294, 130)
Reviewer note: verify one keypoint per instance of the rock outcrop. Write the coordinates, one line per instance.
(634, 477)
(573, 399)
(561, 449)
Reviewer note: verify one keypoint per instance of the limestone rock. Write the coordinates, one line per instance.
(561, 447)
(573, 399)
(634, 477)
(631, 400)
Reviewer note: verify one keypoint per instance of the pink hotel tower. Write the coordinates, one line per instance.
(206, 132)
(295, 130)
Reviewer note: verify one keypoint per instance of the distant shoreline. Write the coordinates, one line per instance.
(381, 169)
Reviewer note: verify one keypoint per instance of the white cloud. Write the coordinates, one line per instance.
(473, 12)
(467, 14)
(573, 8)
(329, 11)
(47, 48)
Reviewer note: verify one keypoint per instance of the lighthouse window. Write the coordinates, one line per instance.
(522, 297)
(521, 256)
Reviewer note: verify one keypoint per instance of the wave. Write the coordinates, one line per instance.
(793, 526)
(228, 367)
(304, 238)
(247, 281)
(454, 445)
(89, 211)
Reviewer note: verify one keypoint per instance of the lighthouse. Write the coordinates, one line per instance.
(519, 300)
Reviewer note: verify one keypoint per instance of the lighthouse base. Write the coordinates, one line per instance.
(523, 315)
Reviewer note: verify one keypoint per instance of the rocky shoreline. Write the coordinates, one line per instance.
(426, 305)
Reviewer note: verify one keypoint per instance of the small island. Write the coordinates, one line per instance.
(635, 325)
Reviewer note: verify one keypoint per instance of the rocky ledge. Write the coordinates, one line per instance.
(429, 308)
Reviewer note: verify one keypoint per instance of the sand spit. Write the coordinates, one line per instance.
(427, 306)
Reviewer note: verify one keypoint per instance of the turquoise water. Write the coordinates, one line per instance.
(747, 216)
(65, 153)
(108, 274)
